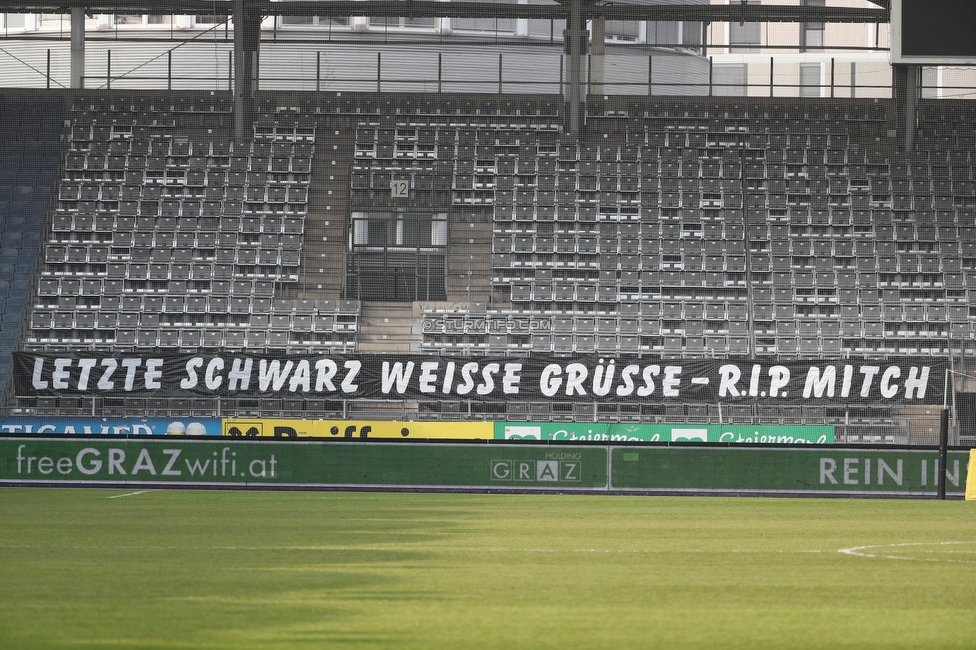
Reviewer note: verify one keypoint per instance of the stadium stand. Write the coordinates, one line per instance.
(726, 230)
(675, 227)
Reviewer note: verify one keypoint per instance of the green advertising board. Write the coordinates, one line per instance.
(825, 471)
(620, 432)
(741, 469)
(274, 463)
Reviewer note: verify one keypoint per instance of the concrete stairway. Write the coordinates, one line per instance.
(388, 327)
(328, 203)
(469, 262)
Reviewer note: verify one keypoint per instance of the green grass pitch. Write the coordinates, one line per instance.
(84, 568)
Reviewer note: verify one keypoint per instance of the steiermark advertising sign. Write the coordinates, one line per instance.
(724, 433)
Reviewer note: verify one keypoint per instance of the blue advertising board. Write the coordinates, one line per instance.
(176, 426)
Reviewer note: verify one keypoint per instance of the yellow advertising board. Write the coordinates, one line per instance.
(971, 477)
(355, 429)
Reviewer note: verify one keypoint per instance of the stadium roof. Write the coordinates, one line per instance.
(616, 10)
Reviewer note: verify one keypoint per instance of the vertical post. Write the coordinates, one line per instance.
(831, 77)
(230, 71)
(247, 45)
(169, 70)
(255, 73)
(770, 76)
(943, 463)
(108, 69)
(943, 452)
(598, 57)
(575, 33)
(650, 75)
(711, 69)
(953, 413)
(48, 68)
(379, 72)
(589, 74)
(499, 74)
(562, 76)
(911, 106)
(240, 92)
(78, 47)
(318, 70)
(853, 80)
(440, 71)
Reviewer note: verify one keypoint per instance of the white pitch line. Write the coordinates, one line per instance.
(859, 551)
(130, 494)
(394, 549)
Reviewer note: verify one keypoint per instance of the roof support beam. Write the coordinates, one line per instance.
(734, 12)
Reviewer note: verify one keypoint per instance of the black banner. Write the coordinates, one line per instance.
(488, 379)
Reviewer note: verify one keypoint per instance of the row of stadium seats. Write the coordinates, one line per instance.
(105, 105)
(409, 106)
(676, 112)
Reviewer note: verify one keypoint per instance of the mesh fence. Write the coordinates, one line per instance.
(723, 191)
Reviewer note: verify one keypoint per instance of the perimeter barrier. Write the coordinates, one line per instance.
(682, 468)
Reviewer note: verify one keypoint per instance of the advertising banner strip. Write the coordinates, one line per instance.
(190, 426)
(785, 471)
(257, 463)
(206, 462)
(619, 432)
(488, 379)
(359, 430)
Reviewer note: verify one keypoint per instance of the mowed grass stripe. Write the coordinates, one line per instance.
(223, 569)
